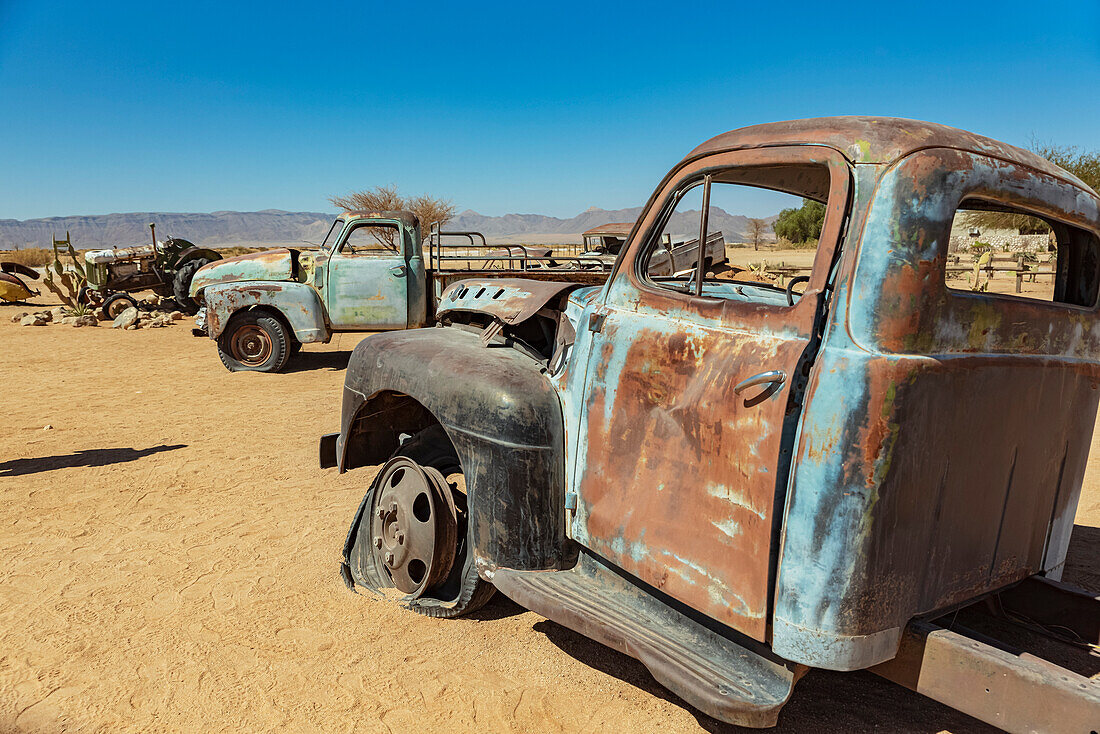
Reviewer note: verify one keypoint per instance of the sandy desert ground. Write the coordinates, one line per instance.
(170, 559)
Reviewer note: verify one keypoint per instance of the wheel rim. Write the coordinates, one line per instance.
(117, 306)
(414, 526)
(251, 344)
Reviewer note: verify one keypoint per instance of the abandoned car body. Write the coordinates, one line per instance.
(13, 287)
(672, 256)
(369, 274)
(733, 482)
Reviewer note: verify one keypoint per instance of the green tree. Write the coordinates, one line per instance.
(800, 225)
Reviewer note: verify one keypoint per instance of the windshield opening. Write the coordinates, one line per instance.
(333, 233)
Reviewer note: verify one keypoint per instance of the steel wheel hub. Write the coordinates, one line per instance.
(414, 526)
(251, 344)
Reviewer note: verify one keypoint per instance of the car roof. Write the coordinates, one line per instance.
(407, 218)
(877, 140)
(614, 228)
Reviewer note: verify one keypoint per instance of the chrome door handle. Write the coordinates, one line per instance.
(777, 377)
(398, 270)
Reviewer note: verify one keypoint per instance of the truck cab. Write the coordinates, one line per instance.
(734, 482)
(367, 275)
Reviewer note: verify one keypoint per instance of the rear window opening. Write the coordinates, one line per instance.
(1004, 251)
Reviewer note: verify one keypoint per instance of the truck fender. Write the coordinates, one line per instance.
(500, 413)
(297, 303)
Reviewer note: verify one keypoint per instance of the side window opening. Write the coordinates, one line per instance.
(1006, 251)
(762, 229)
(372, 239)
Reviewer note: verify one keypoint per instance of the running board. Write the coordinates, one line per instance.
(712, 673)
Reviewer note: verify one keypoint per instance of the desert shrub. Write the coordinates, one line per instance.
(32, 257)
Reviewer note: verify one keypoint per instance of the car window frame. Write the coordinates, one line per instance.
(628, 282)
(380, 253)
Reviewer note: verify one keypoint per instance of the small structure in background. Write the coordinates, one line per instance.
(606, 239)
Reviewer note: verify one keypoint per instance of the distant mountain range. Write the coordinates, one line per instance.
(268, 227)
(273, 227)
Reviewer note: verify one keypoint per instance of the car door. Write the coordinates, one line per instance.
(368, 274)
(682, 461)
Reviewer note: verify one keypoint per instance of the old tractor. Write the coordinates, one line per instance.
(165, 267)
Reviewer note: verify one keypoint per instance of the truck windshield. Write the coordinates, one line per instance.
(333, 233)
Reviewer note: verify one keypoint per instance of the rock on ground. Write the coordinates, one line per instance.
(126, 319)
(34, 319)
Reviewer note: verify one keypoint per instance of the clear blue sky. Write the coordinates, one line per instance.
(503, 107)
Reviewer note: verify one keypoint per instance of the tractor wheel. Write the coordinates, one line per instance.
(89, 297)
(254, 341)
(181, 284)
(412, 532)
(116, 304)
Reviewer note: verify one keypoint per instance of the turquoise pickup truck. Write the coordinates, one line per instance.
(371, 273)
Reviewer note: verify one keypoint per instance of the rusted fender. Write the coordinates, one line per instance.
(508, 300)
(192, 253)
(13, 289)
(298, 303)
(271, 265)
(9, 266)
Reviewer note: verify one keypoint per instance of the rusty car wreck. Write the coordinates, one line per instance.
(733, 482)
(370, 273)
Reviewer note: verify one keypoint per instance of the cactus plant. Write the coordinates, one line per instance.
(69, 280)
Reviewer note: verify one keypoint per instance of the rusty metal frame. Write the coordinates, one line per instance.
(688, 174)
(521, 263)
(1006, 688)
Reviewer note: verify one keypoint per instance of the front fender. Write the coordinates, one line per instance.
(298, 303)
(193, 253)
(500, 412)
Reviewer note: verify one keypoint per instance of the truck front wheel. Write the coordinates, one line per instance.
(412, 531)
(254, 341)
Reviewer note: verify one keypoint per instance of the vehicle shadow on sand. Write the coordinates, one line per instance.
(84, 457)
(499, 607)
(821, 701)
(306, 361)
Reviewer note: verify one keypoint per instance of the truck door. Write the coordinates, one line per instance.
(367, 288)
(682, 460)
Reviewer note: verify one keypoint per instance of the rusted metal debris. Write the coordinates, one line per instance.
(807, 476)
(12, 286)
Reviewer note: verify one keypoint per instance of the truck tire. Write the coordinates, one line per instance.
(181, 285)
(254, 341)
(462, 591)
